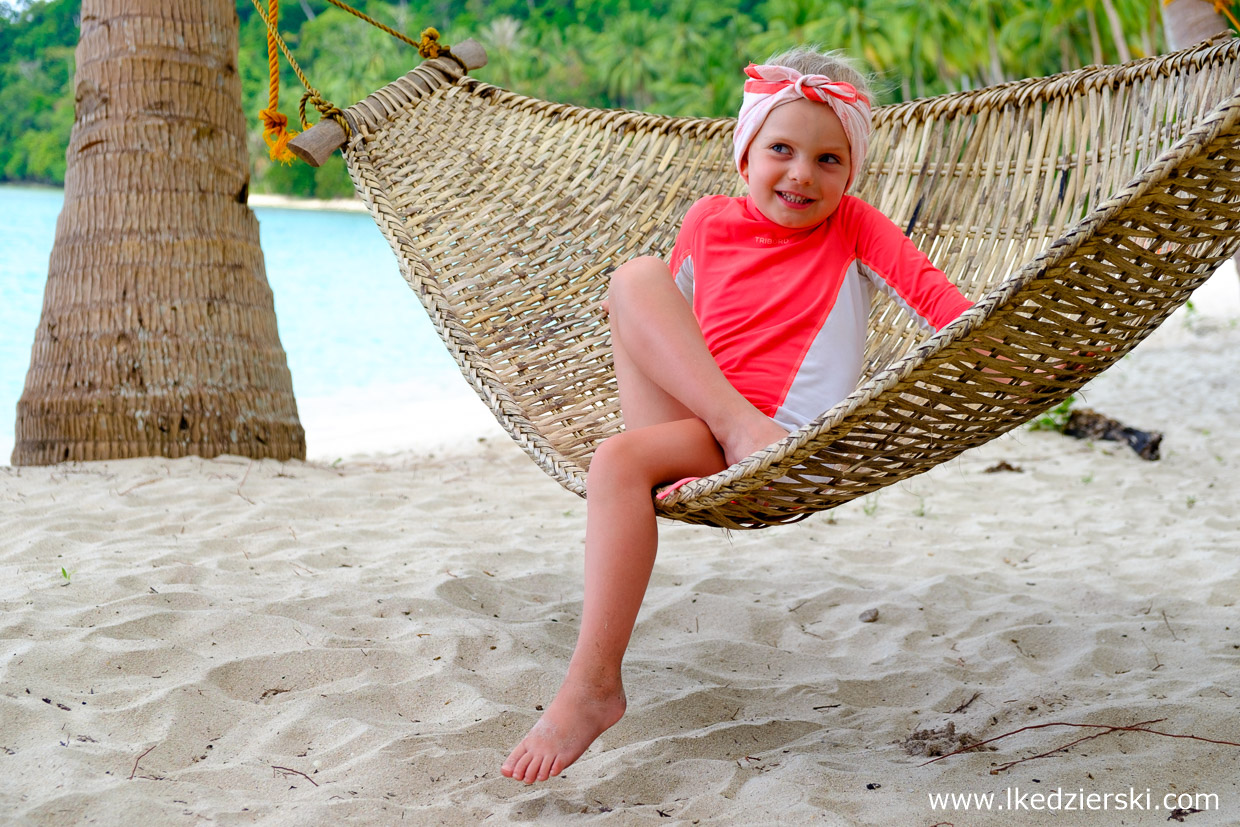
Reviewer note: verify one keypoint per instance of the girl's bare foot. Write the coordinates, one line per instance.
(577, 716)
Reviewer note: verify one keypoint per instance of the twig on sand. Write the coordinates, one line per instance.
(1174, 636)
(138, 485)
(288, 770)
(139, 758)
(966, 704)
(245, 477)
(1107, 729)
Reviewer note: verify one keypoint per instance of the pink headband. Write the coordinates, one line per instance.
(771, 86)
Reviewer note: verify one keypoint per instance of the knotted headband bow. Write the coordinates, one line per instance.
(771, 86)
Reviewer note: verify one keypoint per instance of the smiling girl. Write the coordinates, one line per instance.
(756, 328)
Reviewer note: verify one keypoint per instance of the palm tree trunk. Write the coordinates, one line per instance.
(1186, 22)
(1095, 40)
(1117, 31)
(158, 331)
(997, 75)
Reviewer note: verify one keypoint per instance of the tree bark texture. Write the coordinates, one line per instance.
(158, 331)
(1188, 22)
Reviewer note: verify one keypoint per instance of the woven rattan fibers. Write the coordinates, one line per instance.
(1079, 210)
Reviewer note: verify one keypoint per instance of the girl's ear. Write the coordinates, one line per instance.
(744, 167)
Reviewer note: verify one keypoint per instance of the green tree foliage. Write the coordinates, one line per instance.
(36, 89)
(677, 57)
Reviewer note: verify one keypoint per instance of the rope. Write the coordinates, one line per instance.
(324, 106)
(374, 22)
(1222, 7)
(428, 45)
(275, 123)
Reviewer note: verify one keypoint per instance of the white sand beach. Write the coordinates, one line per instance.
(288, 202)
(362, 642)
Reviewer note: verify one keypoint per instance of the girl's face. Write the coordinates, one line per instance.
(798, 165)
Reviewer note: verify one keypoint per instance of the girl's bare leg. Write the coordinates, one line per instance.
(621, 541)
(664, 368)
(683, 418)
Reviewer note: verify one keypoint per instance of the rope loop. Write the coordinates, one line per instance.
(326, 108)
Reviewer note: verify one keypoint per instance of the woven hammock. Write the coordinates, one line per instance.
(1078, 211)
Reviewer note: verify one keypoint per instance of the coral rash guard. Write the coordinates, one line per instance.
(784, 311)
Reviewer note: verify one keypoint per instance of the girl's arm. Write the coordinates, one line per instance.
(900, 270)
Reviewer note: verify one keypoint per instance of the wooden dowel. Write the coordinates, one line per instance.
(316, 144)
(471, 53)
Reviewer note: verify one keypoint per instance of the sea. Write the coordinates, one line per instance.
(370, 374)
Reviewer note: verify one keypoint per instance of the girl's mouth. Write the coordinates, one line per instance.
(795, 200)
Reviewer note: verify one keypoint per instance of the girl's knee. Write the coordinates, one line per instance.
(641, 265)
(610, 453)
(616, 458)
(633, 274)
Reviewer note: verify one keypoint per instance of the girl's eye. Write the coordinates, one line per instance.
(830, 159)
(780, 148)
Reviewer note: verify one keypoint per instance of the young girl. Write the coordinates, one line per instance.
(756, 328)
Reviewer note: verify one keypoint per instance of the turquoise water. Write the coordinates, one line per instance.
(347, 320)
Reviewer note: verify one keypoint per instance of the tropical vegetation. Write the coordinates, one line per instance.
(678, 57)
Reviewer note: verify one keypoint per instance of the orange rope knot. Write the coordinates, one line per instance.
(275, 124)
(428, 46)
(277, 136)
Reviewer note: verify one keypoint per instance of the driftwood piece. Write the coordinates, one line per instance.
(316, 144)
(1084, 423)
